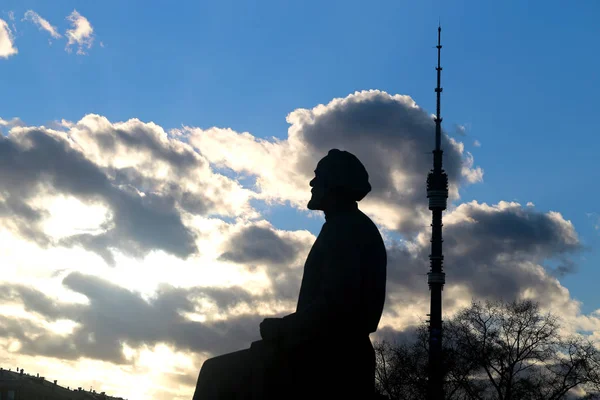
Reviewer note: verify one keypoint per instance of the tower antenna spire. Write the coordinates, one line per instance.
(438, 91)
(437, 193)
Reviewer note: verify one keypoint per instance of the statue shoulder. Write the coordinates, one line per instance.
(356, 227)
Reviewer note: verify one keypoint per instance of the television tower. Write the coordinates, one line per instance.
(437, 193)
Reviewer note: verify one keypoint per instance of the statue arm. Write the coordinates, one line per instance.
(339, 300)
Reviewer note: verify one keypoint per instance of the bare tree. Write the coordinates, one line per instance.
(401, 369)
(495, 350)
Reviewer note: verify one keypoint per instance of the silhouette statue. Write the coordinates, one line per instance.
(323, 349)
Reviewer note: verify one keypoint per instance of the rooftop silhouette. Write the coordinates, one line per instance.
(20, 385)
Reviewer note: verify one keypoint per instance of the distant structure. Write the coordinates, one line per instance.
(437, 193)
(15, 385)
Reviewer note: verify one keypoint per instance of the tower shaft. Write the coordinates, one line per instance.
(437, 193)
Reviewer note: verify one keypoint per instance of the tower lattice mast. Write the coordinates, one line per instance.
(437, 193)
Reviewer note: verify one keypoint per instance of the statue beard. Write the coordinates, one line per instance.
(315, 202)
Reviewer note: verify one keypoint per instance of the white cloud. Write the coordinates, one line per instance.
(7, 47)
(132, 173)
(11, 122)
(139, 192)
(11, 15)
(389, 133)
(42, 23)
(81, 34)
(477, 143)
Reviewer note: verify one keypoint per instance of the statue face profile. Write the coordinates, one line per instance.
(320, 197)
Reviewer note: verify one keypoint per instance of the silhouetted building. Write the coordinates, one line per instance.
(437, 192)
(17, 385)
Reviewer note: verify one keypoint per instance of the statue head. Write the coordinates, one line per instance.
(340, 179)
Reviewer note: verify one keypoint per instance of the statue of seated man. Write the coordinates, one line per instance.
(323, 349)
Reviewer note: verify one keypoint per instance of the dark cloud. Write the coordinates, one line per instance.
(37, 302)
(224, 299)
(406, 268)
(185, 380)
(257, 244)
(491, 252)
(116, 315)
(131, 180)
(261, 245)
(18, 328)
(390, 135)
(35, 162)
(564, 267)
(143, 138)
(486, 250)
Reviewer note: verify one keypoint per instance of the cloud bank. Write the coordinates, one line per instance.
(128, 252)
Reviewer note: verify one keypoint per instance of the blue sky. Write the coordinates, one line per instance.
(521, 78)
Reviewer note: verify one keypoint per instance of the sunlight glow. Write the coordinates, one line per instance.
(14, 346)
(70, 216)
(63, 326)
